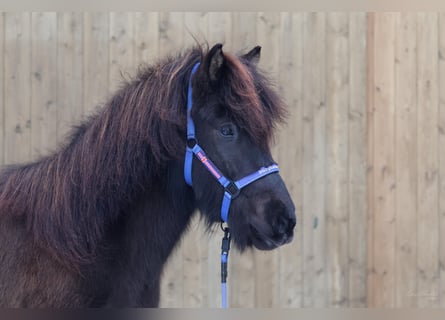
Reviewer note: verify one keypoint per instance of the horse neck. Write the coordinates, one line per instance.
(70, 198)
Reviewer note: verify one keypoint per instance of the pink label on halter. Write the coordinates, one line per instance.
(205, 161)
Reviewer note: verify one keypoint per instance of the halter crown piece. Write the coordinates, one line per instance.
(231, 188)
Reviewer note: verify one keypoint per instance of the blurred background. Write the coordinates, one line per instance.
(363, 151)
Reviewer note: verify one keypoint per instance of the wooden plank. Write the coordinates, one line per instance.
(314, 141)
(291, 159)
(2, 87)
(121, 50)
(195, 259)
(195, 243)
(337, 101)
(427, 161)
(146, 37)
(196, 28)
(357, 161)
(244, 24)
(171, 39)
(69, 72)
(267, 281)
(220, 29)
(384, 170)
(17, 68)
(95, 66)
(442, 155)
(406, 164)
(43, 83)
(370, 108)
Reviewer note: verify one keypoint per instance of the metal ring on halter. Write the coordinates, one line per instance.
(222, 226)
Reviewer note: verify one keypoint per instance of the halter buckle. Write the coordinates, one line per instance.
(232, 189)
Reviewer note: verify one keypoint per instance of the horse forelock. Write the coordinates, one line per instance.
(252, 100)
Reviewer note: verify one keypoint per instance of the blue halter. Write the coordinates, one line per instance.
(231, 188)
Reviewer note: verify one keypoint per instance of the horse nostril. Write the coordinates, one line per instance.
(284, 225)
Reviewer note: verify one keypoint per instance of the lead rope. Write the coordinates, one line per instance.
(225, 248)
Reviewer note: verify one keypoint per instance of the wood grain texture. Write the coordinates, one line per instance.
(69, 72)
(337, 101)
(357, 153)
(146, 37)
(121, 50)
(2, 87)
(406, 164)
(291, 159)
(43, 83)
(17, 68)
(95, 66)
(245, 28)
(314, 160)
(442, 157)
(427, 161)
(370, 108)
(384, 162)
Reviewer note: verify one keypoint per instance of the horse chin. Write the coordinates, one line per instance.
(264, 242)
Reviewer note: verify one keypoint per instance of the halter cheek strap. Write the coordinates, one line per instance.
(231, 188)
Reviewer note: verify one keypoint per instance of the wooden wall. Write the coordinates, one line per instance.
(360, 154)
(406, 160)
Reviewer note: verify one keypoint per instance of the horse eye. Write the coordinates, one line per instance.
(227, 130)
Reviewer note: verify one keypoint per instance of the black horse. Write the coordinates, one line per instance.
(93, 224)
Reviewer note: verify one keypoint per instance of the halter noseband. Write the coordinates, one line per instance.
(231, 188)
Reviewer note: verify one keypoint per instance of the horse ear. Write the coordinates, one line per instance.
(253, 55)
(215, 62)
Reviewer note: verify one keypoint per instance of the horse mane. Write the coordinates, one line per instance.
(68, 199)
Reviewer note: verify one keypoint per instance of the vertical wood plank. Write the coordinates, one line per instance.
(337, 101)
(43, 83)
(2, 87)
(406, 164)
(196, 28)
(171, 39)
(384, 171)
(442, 156)
(244, 25)
(121, 50)
(370, 108)
(146, 37)
(95, 67)
(195, 243)
(69, 72)
(357, 190)
(290, 159)
(219, 29)
(427, 161)
(241, 266)
(17, 87)
(314, 161)
(267, 262)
